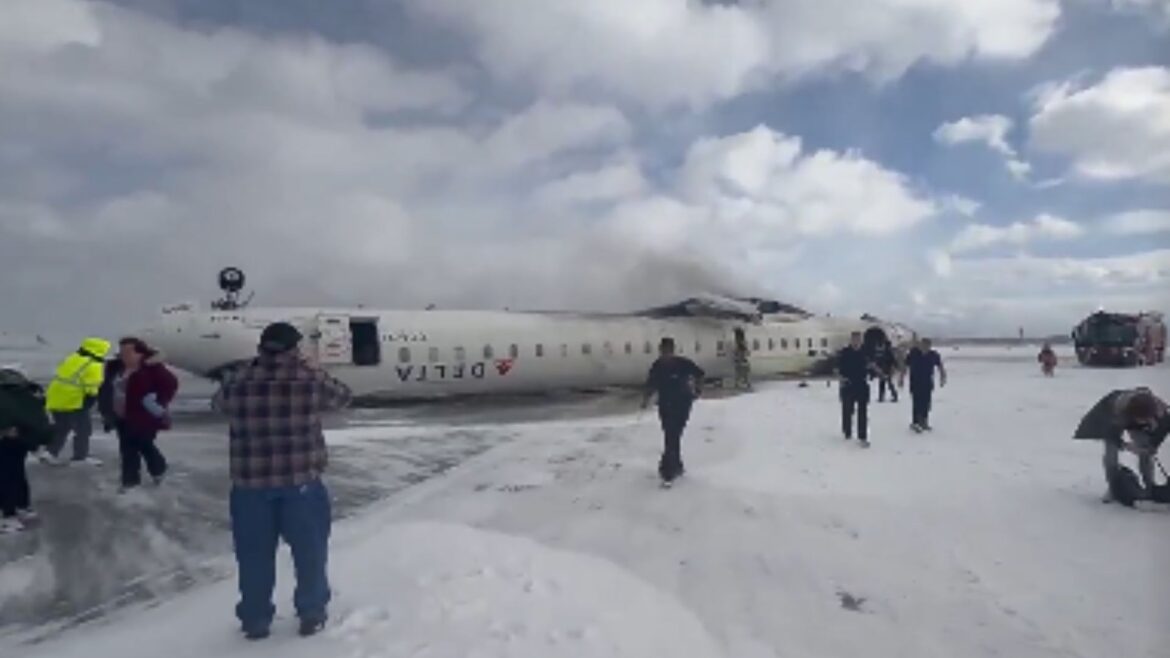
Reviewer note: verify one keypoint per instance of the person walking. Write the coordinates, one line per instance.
(24, 427)
(854, 368)
(921, 363)
(1047, 359)
(741, 359)
(70, 399)
(886, 362)
(133, 399)
(278, 456)
(677, 382)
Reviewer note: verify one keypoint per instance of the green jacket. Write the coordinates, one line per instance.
(22, 406)
(1106, 422)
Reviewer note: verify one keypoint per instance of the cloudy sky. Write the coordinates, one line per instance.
(968, 167)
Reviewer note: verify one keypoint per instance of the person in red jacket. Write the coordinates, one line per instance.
(1047, 359)
(133, 400)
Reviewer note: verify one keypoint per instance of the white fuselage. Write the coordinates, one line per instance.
(430, 354)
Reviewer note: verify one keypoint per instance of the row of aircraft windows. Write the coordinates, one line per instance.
(433, 355)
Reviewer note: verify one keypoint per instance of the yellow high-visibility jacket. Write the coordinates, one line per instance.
(78, 377)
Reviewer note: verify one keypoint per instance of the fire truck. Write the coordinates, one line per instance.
(1120, 339)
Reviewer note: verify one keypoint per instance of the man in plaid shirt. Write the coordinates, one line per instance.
(278, 455)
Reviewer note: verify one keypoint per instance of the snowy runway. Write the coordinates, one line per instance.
(983, 538)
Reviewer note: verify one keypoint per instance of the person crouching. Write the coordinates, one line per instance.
(133, 401)
(1138, 413)
(24, 428)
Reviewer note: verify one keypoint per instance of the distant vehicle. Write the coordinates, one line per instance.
(404, 354)
(1120, 339)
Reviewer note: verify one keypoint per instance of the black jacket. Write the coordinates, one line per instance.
(675, 379)
(22, 405)
(854, 366)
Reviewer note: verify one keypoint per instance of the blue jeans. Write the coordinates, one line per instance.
(260, 518)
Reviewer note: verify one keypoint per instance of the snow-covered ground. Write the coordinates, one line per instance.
(984, 538)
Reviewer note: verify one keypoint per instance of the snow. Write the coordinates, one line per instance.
(985, 537)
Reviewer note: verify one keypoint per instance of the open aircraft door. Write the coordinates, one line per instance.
(333, 344)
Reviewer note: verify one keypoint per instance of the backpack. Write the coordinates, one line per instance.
(1125, 487)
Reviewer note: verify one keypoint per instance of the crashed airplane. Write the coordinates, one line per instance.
(386, 355)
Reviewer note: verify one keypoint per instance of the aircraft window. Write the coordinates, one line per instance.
(783, 343)
(487, 351)
(539, 349)
(771, 344)
(647, 348)
(404, 355)
(608, 347)
(720, 347)
(564, 350)
(629, 348)
(513, 350)
(460, 354)
(824, 342)
(433, 354)
(809, 342)
(698, 347)
(586, 348)
(755, 344)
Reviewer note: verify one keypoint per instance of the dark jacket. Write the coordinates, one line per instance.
(921, 367)
(22, 405)
(676, 379)
(152, 377)
(855, 367)
(275, 405)
(1106, 420)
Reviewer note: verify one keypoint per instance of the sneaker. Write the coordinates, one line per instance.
(916, 427)
(10, 526)
(27, 515)
(311, 627)
(864, 443)
(927, 427)
(49, 459)
(157, 479)
(255, 633)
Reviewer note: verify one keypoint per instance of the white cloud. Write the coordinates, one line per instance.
(44, 25)
(546, 128)
(1156, 7)
(989, 129)
(1044, 227)
(659, 53)
(764, 179)
(1116, 129)
(611, 182)
(1019, 169)
(941, 262)
(334, 173)
(993, 296)
(1138, 222)
(962, 205)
